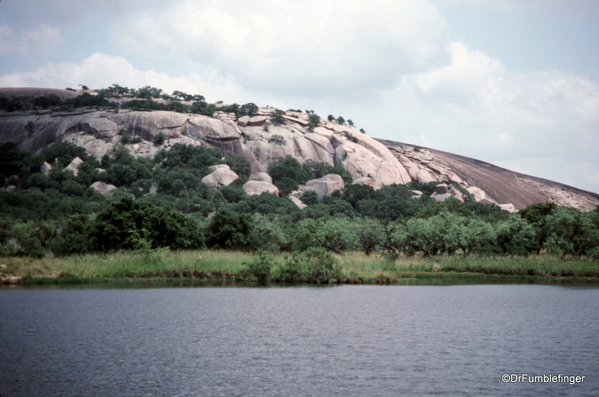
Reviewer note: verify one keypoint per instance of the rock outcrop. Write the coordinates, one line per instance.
(74, 165)
(257, 187)
(325, 186)
(104, 189)
(221, 176)
(263, 141)
(45, 168)
(261, 177)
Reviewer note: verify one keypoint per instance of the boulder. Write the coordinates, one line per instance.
(325, 186)
(261, 177)
(46, 168)
(365, 180)
(457, 194)
(298, 202)
(509, 207)
(479, 194)
(425, 176)
(441, 192)
(10, 188)
(74, 165)
(153, 188)
(94, 146)
(259, 187)
(105, 189)
(213, 168)
(220, 177)
(243, 121)
(441, 188)
(417, 193)
(257, 121)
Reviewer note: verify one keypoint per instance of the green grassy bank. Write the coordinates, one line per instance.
(353, 267)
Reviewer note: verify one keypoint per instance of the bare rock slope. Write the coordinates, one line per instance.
(262, 141)
(489, 183)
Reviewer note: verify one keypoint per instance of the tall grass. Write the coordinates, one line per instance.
(354, 267)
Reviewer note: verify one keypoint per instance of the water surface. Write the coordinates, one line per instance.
(298, 341)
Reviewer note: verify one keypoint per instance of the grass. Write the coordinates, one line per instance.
(355, 267)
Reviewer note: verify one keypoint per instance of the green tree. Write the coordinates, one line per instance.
(572, 232)
(129, 224)
(313, 121)
(230, 230)
(239, 164)
(277, 116)
(309, 197)
(287, 174)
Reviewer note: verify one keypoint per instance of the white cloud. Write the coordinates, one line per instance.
(552, 8)
(311, 47)
(42, 39)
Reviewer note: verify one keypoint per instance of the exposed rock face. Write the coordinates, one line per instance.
(325, 186)
(100, 127)
(364, 181)
(74, 165)
(365, 158)
(258, 187)
(298, 202)
(46, 168)
(261, 177)
(479, 194)
(243, 121)
(104, 189)
(213, 168)
(222, 176)
(425, 176)
(257, 121)
(509, 207)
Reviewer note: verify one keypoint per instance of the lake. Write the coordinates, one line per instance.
(299, 341)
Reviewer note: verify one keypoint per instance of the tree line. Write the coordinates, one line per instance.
(59, 213)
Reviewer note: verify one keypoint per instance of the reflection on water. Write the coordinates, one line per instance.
(189, 338)
(222, 283)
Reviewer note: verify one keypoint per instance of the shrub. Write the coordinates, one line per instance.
(277, 139)
(261, 266)
(30, 128)
(309, 197)
(159, 139)
(315, 265)
(313, 121)
(125, 139)
(277, 116)
(287, 174)
(239, 164)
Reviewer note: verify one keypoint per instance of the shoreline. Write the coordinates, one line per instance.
(208, 266)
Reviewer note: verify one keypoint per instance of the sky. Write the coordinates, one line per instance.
(510, 82)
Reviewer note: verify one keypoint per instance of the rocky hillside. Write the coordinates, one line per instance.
(262, 140)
